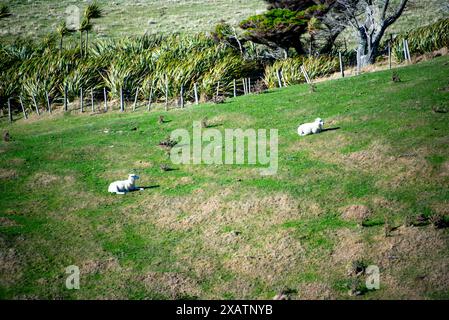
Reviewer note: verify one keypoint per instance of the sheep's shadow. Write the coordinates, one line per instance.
(170, 169)
(331, 129)
(210, 126)
(147, 188)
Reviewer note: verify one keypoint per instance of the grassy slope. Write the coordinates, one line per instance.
(124, 17)
(226, 231)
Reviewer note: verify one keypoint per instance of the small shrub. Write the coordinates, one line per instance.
(168, 143)
(439, 221)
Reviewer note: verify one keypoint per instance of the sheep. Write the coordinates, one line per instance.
(311, 128)
(122, 187)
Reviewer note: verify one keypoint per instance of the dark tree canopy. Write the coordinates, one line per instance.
(281, 27)
(295, 5)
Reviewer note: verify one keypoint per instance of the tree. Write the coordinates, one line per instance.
(62, 31)
(92, 11)
(320, 29)
(280, 27)
(227, 34)
(370, 19)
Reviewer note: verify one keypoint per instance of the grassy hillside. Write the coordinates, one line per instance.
(125, 17)
(364, 193)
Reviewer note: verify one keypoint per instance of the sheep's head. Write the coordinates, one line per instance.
(133, 177)
(320, 122)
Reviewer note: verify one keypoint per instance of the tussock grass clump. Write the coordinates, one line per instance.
(158, 66)
(423, 40)
(291, 70)
(168, 143)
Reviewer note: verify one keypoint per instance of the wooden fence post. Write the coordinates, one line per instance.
(195, 88)
(249, 85)
(82, 100)
(9, 110)
(404, 49)
(358, 61)
(342, 70)
(235, 88)
(182, 96)
(135, 99)
(105, 96)
(278, 74)
(166, 93)
(244, 86)
(150, 98)
(218, 89)
(389, 54)
(283, 79)
(92, 100)
(122, 102)
(66, 104)
(306, 75)
(48, 102)
(23, 108)
(408, 51)
(36, 106)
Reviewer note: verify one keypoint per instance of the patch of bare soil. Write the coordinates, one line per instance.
(356, 212)
(171, 284)
(7, 174)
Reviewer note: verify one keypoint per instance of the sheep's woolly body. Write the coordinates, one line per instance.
(311, 128)
(122, 187)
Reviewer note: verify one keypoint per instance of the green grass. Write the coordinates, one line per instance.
(126, 18)
(225, 231)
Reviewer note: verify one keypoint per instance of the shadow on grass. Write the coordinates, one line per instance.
(214, 125)
(331, 129)
(150, 187)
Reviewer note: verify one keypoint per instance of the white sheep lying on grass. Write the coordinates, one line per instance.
(311, 128)
(122, 187)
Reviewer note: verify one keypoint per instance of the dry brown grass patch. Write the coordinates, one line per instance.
(44, 179)
(6, 222)
(314, 291)
(349, 247)
(171, 284)
(10, 265)
(356, 212)
(273, 257)
(99, 266)
(7, 174)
